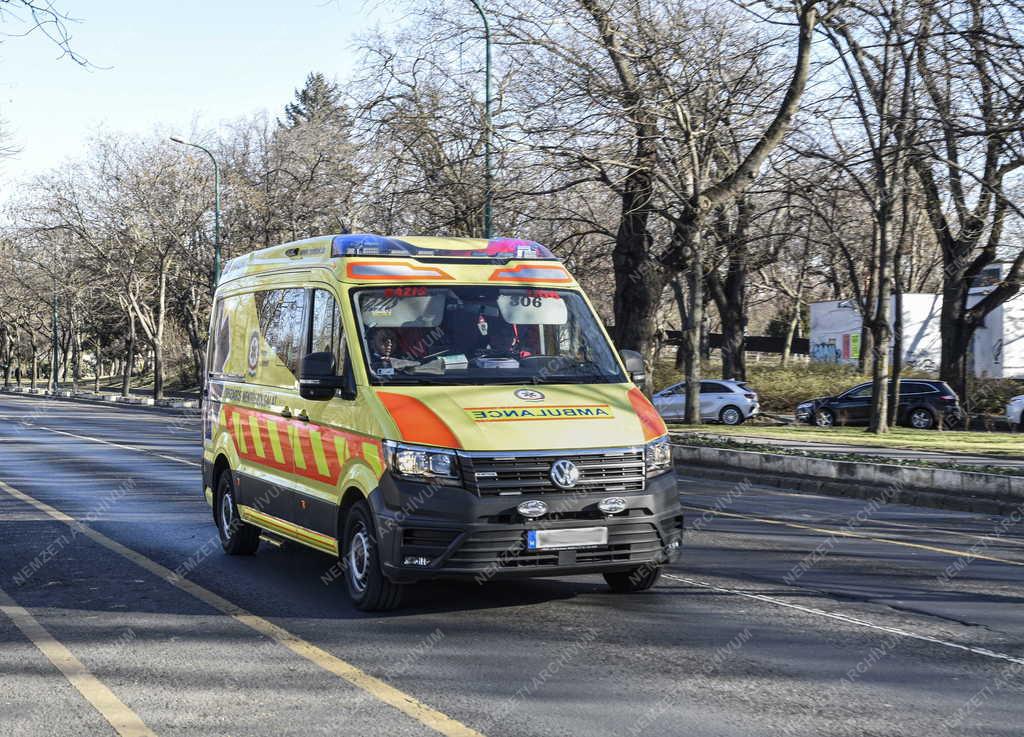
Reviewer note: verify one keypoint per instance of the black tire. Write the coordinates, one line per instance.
(236, 536)
(825, 418)
(731, 415)
(921, 418)
(636, 579)
(368, 587)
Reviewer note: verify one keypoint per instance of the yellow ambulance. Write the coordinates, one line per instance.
(425, 408)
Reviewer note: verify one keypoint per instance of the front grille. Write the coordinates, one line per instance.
(612, 470)
(507, 549)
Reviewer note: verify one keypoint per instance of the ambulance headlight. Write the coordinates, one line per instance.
(658, 456)
(422, 463)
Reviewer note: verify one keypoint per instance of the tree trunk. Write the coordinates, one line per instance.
(99, 364)
(129, 358)
(76, 361)
(158, 341)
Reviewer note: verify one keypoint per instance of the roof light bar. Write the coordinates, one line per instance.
(497, 248)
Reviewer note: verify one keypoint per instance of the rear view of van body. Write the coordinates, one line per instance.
(426, 408)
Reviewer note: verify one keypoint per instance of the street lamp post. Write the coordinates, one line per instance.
(55, 360)
(488, 173)
(216, 206)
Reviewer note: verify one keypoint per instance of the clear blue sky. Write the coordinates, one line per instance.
(168, 64)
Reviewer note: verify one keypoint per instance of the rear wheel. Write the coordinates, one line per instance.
(368, 587)
(237, 537)
(730, 415)
(636, 579)
(921, 419)
(824, 418)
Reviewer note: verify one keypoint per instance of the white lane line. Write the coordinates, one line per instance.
(118, 445)
(984, 652)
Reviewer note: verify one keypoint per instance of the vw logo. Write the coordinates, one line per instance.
(529, 395)
(532, 508)
(565, 474)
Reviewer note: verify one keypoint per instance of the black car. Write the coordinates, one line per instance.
(923, 404)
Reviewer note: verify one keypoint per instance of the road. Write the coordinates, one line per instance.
(790, 614)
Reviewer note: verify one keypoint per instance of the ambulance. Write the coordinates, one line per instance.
(426, 408)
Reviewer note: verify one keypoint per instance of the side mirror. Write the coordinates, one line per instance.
(634, 366)
(317, 376)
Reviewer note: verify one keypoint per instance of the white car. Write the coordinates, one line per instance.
(1015, 413)
(728, 402)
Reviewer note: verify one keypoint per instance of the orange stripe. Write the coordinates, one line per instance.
(650, 420)
(515, 274)
(417, 422)
(419, 273)
(327, 436)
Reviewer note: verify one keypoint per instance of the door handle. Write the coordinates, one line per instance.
(286, 413)
(303, 416)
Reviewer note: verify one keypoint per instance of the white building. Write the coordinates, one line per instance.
(998, 345)
(836, 330)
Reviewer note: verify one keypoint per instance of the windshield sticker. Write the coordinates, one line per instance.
(551, 412)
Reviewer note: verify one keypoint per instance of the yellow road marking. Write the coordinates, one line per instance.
(436, 720)
(872, 538)
(124, 721)
(892, 523)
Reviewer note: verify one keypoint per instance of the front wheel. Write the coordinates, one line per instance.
(368, 587)
(636, 579)
(237, 537)
(824, 418)
(921, 419)
(730, 415)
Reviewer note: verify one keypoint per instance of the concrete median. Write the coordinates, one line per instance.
(929, 487)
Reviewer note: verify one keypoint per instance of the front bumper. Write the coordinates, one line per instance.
(464, 535)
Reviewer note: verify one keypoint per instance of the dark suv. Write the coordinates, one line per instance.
(923, 404)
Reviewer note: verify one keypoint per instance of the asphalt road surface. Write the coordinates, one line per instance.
(789, 615)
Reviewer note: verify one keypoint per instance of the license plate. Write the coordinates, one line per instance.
(577, 537)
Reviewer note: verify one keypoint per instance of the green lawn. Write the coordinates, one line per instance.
(977, 443)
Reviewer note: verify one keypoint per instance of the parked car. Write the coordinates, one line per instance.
(923, 404)
(728, 402)
(1015, 413)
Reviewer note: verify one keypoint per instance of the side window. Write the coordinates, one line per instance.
(711, 387)
(326, 329)
(280, 313)
(219, 344)
(914, 387)
(865, 392)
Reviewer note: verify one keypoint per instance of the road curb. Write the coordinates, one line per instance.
(176, 407)
(937, 488)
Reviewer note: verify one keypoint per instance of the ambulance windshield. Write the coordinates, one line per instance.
(482, 335)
